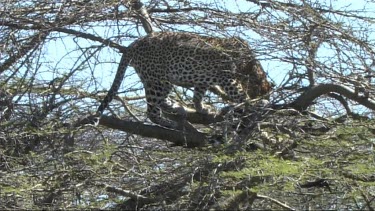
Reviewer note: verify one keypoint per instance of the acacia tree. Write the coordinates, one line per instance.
(57, 61)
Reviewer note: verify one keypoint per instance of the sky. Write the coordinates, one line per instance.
(62, 53)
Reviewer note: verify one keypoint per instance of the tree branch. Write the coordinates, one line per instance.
(143, 15)
(105, 42)
(41, 36)
(283, 205)
(189, 138)
(306, 99)
(130, 194)
(24, 49)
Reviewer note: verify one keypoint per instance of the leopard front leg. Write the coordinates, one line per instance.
(154, 114)
(232, 87)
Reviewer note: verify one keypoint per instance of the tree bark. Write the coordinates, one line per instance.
(307, 98)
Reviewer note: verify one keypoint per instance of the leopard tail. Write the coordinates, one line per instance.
(125, 60)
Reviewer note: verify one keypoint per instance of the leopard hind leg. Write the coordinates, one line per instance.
(199, 92)
(156, 96)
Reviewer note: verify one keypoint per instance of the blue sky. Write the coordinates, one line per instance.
(61, 54)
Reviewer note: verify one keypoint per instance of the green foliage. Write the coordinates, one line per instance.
(193, 178)
(343, 157)
(263, 164)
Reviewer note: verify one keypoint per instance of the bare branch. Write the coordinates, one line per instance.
(306, 99)
(34, 42)
(105, 42)
(283, 205)
(130, 194)
(188, 138)
(143, 16)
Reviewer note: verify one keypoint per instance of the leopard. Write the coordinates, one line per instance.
(166, 59)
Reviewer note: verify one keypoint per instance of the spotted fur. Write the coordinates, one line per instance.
(165, 59)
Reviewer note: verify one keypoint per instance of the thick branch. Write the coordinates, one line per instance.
(198, 118)
(186, 138)
(143, 15)
(306, 99)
